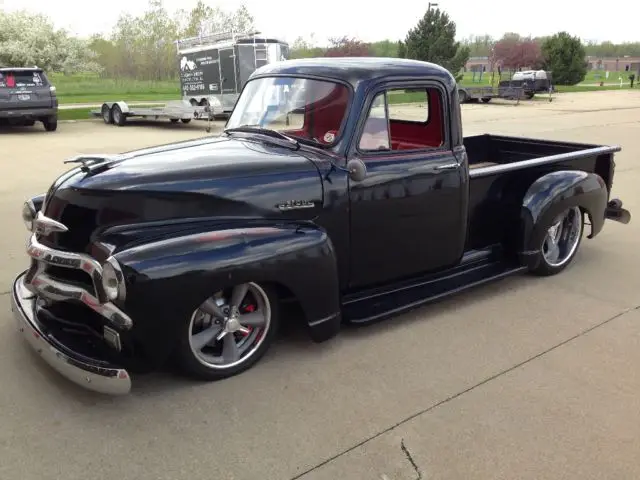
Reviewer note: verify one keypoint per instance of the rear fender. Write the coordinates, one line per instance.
(184, 271)
(553, 193)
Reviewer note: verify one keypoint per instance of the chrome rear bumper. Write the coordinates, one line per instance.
(88, 373)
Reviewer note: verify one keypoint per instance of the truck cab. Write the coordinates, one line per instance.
(344, 187)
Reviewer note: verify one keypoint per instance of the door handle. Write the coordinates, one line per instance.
(447, 166)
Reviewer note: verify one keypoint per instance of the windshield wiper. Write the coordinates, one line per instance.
(263, 130)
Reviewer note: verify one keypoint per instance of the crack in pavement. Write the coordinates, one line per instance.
(410, 458)
(467, 390)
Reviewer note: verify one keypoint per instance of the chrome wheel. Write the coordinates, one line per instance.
(562, 238)
(230, 326)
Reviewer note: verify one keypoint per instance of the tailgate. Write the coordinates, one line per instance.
(24, 90)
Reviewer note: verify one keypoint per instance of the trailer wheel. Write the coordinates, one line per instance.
(107, 116)
(174, 120)
(118, 117)
(486, 99)
(185, 120)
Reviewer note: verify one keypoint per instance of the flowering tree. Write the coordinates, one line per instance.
(513, 51)
(27, 40)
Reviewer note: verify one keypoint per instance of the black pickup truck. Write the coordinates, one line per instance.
(344, 186)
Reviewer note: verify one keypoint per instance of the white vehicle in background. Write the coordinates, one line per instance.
(214, 68)
(537, 80)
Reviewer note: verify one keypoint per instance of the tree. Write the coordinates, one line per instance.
(479, 45)
(205, 20)
(513, 52)
(402, 49)
(564, 56)
(302, 48)
(347, 47)
(433, 40)
(31, 39)
(384, 48)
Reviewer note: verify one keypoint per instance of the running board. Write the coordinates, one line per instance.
(378, 305)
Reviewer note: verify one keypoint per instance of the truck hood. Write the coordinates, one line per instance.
(218, 178)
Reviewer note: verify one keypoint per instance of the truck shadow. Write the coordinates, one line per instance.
(293, 342)
(36, 129)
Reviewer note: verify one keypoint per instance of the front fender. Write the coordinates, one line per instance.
(173, 277)
(553, 193)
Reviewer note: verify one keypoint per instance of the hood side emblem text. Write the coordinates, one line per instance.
(295, 205)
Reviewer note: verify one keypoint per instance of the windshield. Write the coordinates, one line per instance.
(306, 109)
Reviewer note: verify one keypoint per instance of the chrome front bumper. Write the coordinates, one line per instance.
(88, 373)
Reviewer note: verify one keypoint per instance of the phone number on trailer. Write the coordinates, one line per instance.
(194, 88)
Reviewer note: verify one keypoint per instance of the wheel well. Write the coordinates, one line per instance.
(587, 213)
(291, 308)
(603, 169)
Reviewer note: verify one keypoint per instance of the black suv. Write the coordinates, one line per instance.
(26, 96)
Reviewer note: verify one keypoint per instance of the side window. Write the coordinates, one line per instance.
(407, 105)
(375, 135)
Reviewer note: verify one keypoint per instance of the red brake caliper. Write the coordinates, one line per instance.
(248, 309)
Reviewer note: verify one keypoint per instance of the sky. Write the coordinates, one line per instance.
(362, 19)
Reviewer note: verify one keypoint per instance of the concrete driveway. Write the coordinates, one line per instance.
(528, 378)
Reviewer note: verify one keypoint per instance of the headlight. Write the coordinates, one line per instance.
(113, 280)
(28, 215)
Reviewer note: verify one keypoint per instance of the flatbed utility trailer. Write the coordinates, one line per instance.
(504, 90)
(178, 110)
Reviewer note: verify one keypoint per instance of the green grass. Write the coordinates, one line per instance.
(74, 114)
(612, 83)
(88, 88)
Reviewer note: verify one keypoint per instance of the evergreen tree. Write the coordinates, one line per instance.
(433, 40)
(564, 56)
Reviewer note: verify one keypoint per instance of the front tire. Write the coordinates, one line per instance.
(560, 243)
(229, 332)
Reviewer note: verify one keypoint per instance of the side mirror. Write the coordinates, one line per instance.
(357, 169)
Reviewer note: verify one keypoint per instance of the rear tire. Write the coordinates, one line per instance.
(185, 120)
(561, 242)
(486, 100)
(248, 323)
(174, 120)
(50, 123)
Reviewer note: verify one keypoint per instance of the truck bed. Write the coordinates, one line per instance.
(490, 150)
(501, 168)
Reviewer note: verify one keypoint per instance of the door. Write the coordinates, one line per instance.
(228, 70)
(408, 214)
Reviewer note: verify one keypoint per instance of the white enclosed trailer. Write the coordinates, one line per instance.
(215, 68)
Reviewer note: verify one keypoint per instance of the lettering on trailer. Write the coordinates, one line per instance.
(199, 72)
